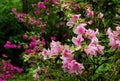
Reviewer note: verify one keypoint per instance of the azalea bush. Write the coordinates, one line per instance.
(68, 39)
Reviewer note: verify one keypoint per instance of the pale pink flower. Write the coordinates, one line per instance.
(90, 22)
(76, 67)
(55, 47)
(91, 49)
(75, 17)
(55, 2)
(91, 33)
(89, 12)
(36, 76)
(80, 29)
(100, 15)
(67, 55)
(77, 41)
(94, 40)
(100, 49)
(66, 65)
(45, 53)
(70, 23)
(118, 29)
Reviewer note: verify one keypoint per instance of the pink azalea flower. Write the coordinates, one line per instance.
(66, 65)
(100, 49)
(66, 55)
(45, 53)
(53, 38)
(24, 36)
(32, 44)
(14, 10)
(90, 33)
(41, 5)
(36, 12)
(55, 47)
(56, 2)
(77, 41)
(80, 29)
(100, 15)
(36, 76)
(70, 23)
(43, 41)
(28, 51)
(76, 67)
(89, 12)
(75, 17)
(118, 29)
(90, 22)
(91, 50)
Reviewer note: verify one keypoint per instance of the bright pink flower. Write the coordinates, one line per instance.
(36, 12)
(41, 5)
(43, 31)
(7, 45)
(14, 10)
(18, 46)
(32, 44)
(53, 38)
(77, 41)
(43, 41)
(100, 15)
(46, 1)
(80, 29)
(19, 70)
(28, 51)
(24, 36)
(65, 35)
(66, 65)
(1, 79)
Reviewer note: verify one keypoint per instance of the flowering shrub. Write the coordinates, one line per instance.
(86, 53)
(7, 70)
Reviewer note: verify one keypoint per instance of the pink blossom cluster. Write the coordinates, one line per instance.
(55, 48)
(41, 5)
(69, 64)
(87, 34)
(27, 18)
(8, 45)
(33, 45)
(8, 70)
(72, 20)
(114, 38)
